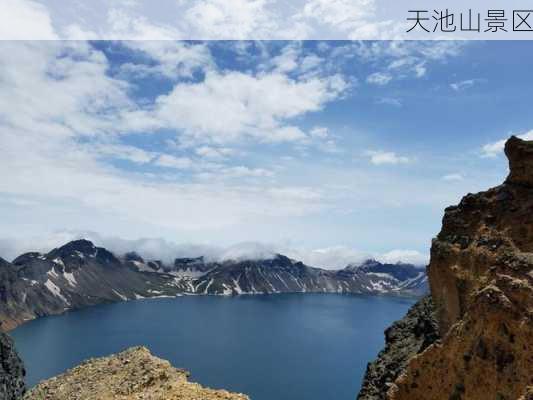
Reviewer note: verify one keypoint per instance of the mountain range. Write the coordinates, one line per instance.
(80, 274)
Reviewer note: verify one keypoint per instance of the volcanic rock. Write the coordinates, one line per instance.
(133, 374)
(481, 280)
(11, 370)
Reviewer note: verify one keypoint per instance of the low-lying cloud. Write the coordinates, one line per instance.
(334, 257)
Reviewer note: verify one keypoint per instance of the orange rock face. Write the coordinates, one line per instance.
(481, 279)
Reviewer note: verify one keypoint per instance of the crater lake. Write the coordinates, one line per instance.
(283, 346)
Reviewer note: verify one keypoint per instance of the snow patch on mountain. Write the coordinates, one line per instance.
(51, 286)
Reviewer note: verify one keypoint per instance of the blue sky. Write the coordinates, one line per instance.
(327, 151)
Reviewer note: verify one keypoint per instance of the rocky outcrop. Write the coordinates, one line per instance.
(11, 370)
(403, 340)
(134, 374)
(520, 155)
(481, 280)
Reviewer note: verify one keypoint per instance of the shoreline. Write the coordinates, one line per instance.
(389, 295)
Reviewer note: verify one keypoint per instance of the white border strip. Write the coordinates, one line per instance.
(259, 19)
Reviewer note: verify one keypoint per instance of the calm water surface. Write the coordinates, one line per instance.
(283, 347)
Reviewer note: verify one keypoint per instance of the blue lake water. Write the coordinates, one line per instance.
(283, 347)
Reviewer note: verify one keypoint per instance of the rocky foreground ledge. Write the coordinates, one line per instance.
(133, 374)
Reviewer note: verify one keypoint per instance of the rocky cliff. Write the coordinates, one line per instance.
(481, 280)
(405, 338)
(11, 370)
(134, 374)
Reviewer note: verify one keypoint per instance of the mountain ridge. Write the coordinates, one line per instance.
(80, 274)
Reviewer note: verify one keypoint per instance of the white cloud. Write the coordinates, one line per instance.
(494, 148)
(59, 89)
(294, 59)
(295, 193)
(319, 132)
(88, 102)
(236, 19)
(148, 248)
(334, 257)
(310, 62)
(453, 177)
(287, 61)
(420, 70)
(61, 115)
(11, 247)
(379, 78)
(391, 101)
(405, 256)
(215, 153)
(123, 152)
(347, 16)
(439, 50)
(248, 251)
(173, 59)
(113, 21)
(25, 19)
(463, 85)
(386, 157)
(323, 140)
(242, 106)
(212, 20)
(274, 19)
(240, 172)
(124, 23)
(91, 189)
(168, 161)
(401, 59)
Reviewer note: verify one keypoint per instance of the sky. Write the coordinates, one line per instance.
(329, 152)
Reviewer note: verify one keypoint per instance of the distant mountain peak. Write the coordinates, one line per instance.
(133, 256)
(76, 247)
(83, 250)
(281, 257)
(369, 262)
(372, 263)
(23, 258)
(188, 261)
(3, 262)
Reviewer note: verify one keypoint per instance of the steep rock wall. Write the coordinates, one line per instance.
(11, 370)
(481, 280)
(404, 339)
